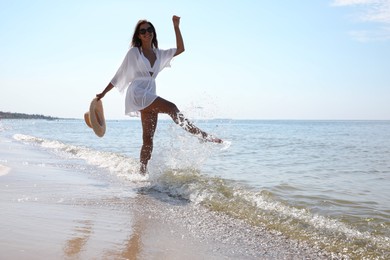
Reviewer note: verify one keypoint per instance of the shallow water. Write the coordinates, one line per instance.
(326, 182)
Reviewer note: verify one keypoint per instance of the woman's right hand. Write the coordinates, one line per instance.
(108, 88)
(100, 96)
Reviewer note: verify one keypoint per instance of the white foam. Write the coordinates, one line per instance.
(303, 215)
(120, 165)
(219, 194)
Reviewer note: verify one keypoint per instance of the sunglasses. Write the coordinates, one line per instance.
(143, 31)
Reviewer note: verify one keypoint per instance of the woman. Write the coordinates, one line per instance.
(139, 69)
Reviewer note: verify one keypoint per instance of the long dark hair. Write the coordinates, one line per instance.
(136, 42)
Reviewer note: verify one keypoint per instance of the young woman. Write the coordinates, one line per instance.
(137, 73)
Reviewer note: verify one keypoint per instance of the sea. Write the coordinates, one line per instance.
(323, 182)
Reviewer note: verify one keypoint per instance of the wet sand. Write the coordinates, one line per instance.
(54, 210)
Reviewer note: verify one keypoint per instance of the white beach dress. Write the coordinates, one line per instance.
(134, 74)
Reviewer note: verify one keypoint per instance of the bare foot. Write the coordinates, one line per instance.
(215, 140)
(143, 170)
(212, 139)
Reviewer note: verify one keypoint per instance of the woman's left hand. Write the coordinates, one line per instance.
(176, 20)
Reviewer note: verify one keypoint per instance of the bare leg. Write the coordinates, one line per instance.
(161, 105)
(190, 127)
(149, 124)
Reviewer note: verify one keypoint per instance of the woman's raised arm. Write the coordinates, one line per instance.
(179, 38)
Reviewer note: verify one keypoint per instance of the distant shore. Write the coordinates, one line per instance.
(10, 115)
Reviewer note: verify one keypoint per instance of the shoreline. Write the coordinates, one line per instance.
(54, 208)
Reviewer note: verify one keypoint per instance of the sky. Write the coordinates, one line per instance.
(266, 59)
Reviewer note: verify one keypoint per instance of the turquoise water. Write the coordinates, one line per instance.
(326, 182)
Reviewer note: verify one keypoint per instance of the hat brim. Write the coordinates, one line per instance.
(87, 119)
(95, 117)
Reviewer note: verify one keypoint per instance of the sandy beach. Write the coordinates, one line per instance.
(52, 211)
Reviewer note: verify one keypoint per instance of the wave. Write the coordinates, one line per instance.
(120, 165)
(261, 208)
(235, 199)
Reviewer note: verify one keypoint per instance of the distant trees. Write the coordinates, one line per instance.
(9, 115)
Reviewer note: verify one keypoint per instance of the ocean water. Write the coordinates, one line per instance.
(325, 182)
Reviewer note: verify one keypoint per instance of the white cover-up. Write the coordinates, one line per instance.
(134, 74)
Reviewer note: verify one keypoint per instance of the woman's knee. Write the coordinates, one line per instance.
(172, 108)
(161, 105)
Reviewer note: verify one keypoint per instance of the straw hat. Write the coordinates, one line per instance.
(95, 117)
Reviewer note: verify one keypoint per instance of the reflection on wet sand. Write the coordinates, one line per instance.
(132, 229)
(82, 233)
(134, 245)
(113, 236)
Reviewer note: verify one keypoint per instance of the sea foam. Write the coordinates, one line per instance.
(118, 164)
